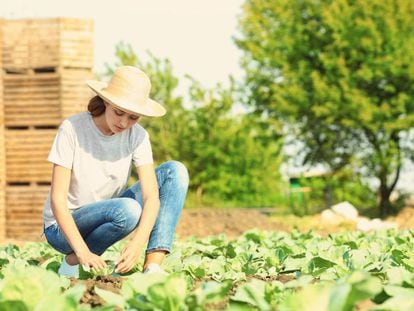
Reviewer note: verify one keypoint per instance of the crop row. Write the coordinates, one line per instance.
(258, 271)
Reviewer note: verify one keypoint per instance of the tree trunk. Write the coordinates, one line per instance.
(385, 192)
(199, 194)
(385, 203)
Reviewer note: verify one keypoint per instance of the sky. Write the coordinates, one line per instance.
(196, 35)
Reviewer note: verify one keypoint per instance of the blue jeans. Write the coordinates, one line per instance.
(104, 223)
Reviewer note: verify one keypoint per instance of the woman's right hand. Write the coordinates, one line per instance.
(91, 260)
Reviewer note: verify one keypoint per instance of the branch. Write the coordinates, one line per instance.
(397, 176)
(372, 139)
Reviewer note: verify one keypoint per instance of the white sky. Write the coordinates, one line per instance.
(194, 34)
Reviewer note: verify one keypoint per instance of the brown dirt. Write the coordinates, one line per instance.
(107, 282)
(405, 218)
(231, 222)
(202, 222)
(114, 284)
(223, 304)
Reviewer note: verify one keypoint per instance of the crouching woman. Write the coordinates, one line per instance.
(89, 207)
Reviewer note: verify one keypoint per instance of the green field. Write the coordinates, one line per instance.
(258, 271)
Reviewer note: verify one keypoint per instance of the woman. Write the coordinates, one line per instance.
(89, 208)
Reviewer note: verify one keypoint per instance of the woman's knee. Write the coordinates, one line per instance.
(56, 239)
(128, 212)
(178, 171)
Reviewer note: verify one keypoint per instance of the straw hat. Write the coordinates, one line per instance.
(128, 90)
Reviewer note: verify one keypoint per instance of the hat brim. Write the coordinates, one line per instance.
(151, 108)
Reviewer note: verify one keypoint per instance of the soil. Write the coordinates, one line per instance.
(202, 222)
(405, 218)
(231, 222)
(107, 282)
(114, 284)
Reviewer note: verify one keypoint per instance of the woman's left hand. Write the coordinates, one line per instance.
(129, 257)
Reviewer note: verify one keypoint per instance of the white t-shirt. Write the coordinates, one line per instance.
(100, 164)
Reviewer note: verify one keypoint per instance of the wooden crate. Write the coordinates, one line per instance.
(2, 170)
(26, 155)
(15, 44)
(32, 99)
(51, 42)
(2, 151)
(24, 210)
(76, 43)
(74, 93)
(45, 98)
(44, 65)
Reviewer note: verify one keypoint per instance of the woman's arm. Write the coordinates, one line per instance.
(59, 194)
(140, 236)
(151, 200)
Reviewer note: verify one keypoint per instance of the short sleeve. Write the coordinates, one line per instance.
(62, 151)
(143, 152)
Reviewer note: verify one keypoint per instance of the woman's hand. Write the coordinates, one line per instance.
(91, 260)
(129, 257)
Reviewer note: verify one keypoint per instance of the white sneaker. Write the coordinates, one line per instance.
(154, 268)
(68, 270)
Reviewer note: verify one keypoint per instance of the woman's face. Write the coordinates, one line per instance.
(118, 120)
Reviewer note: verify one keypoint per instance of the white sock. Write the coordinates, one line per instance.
(154, 268)
(68, 270)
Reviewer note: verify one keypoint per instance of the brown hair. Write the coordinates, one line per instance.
(96, 106)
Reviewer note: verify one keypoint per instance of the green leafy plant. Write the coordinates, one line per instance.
(260, 270)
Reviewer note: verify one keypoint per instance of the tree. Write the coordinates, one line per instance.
(340, 74)
(236, 158)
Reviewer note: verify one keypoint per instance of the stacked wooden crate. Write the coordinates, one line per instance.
(2, 150)
(45, 64)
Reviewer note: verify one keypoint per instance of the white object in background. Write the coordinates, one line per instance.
(346, 210)
(328, 216)
(365, 224)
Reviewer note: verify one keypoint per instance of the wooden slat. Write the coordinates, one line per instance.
(75, 92)
(31, 99)
(24, 210)
(28, 233)
(15, 44)
(26, 155)
(2, 150)
(76, 42)
(53, 42)
(45, 98)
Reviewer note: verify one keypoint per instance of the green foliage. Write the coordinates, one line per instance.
(230, 158)
(26, 287)
(337, 273)
(87, 273)
(235, 155)
(331, 189)
(340, 75)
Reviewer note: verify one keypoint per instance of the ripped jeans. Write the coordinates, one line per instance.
(104, 223)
